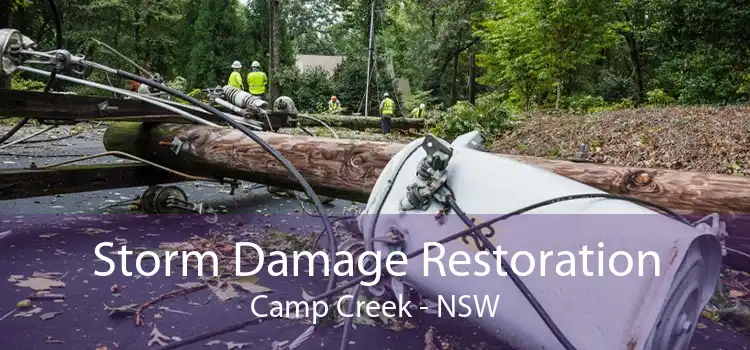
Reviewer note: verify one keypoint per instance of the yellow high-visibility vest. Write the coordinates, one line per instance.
(417, 112)
(256, 82)
(235, 80)
(387, 107)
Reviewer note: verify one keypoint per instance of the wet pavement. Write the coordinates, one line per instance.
(60, 233)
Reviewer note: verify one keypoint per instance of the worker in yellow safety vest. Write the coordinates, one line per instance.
(334, 105)
(418, 112)
(257, 80)
(386, 113)
(235, 79)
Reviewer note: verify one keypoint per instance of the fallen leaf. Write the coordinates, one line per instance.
(114, 288)
(225, 292)
(212, 343)
(94, 231)
(177, 246)
(700, 325)
(232, 345)
(36, 283)
(14, 278)
(429, 339)
(23, 304)
(189, 285)
(248, 283)
(29, 313)
(48, 236)
(157, 337)
(103, 347)
(49, 315)
(737, 293)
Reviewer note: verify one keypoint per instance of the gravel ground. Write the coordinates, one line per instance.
(58, 234)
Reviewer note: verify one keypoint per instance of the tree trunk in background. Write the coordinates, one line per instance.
(4, 23)
(275, 59)
(454, 89)
(472, 77)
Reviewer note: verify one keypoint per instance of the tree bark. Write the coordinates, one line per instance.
(348, 168)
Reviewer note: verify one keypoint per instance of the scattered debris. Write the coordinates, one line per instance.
(50, 340)
(48, 235)
(279, 345)
(429, 339)
(49, 315)
(125, 309)
(15, 278)
(232, 345)
(114, 289)
(224, 291)
(157, 338)
(94, 231)
(189, 285)
(248, 283)
(141, 307)
(36, 283)
(728, 305)
(29, 313)
(164, 308)
(213, 342)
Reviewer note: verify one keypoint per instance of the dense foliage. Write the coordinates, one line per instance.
(529, 54)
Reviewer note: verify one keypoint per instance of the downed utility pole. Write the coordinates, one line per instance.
(348, 169)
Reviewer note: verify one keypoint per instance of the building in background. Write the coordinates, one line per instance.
(327, 63)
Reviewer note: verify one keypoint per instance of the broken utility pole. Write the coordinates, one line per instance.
(348, 168)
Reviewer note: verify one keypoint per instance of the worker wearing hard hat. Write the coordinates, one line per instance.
(418, 112)
(334, 105)
(235, 79)
(256, 80)
(386, 113)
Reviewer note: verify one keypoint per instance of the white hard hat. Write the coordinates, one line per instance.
(385, 94)
(255, 64)
(236, 64)
(421, 106)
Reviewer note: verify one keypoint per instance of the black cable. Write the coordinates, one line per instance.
(273, 152)
(514, 277)
(348, 322)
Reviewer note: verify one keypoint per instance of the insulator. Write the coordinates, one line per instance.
(243, 99)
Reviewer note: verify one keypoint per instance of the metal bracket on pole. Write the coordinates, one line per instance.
(176, 145)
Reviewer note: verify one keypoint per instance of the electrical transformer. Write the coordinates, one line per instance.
(675, 265)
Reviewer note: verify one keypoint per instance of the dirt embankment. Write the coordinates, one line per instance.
(703, 139)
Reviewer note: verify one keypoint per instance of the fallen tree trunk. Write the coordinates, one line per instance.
(362, 123)
(349, 168)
